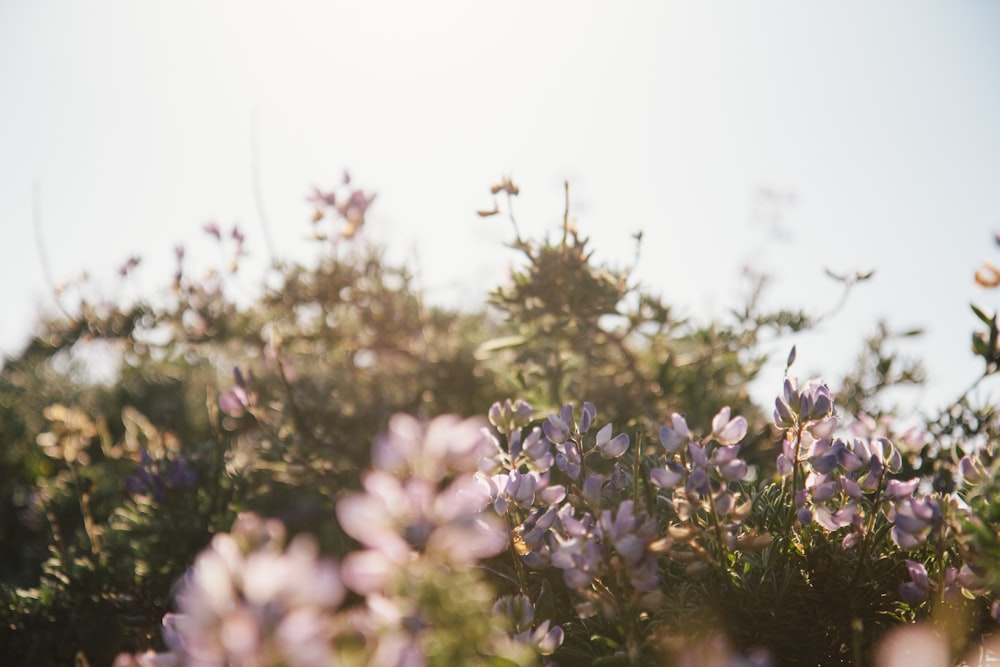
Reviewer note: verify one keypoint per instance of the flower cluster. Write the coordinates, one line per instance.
(351, 205)
(702, 478)
(156, 476)
(248, 600)
(414, 502)
(600, 545)
(423, 519)
(850, 482)
(517, 616)
(443, 496)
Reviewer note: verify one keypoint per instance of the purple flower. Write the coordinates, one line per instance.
(810, 406)
(182, 474)
(785, 463)
(912, 520)
(353, 210)
(668, 477)
(898, 489)
(247, 601)
(212, 229)
(513, 487)
(430, 450)
(972, 469)
(834, 520)
(729, 465)
(674, 438)
(569, 459)
(611, 448)
(320, 198)
(728, 431)
(149, 477)
(587, 417)
(555, 429)
(237, 401)
(915, 591)
(510, 416)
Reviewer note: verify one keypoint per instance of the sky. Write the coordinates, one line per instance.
(786, 137)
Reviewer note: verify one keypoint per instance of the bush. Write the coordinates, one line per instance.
(250, 490)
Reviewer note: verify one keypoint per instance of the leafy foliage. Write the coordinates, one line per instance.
(246, 488)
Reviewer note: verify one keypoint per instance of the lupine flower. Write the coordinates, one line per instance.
(511, 488)
(915, 645)
(811, 407)
(611, 448)
(575, 548)
(405, 511)
(535, 550)
(432, 450)
(532, 453)
(237, 401)
(212, 229)
(899, 489)
(972, 469)
(676, 435)
(912, 520)
(510, 416)
(728, 431)
(786, 462)
(635, 538)
(669, 476)
(915, 591)
(569, 459)
(716, 651)
(726, 460)
(555, 429)
(248, 601)
(518, 615)
(320, 198)
(396, 517)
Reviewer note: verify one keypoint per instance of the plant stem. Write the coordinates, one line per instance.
(518, 565)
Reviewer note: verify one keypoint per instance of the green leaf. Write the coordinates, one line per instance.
(485, 350)
(545, 607)
(986, 319)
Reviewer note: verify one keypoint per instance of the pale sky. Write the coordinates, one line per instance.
(880, 119)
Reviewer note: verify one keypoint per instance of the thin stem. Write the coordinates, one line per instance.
(985, 374)
(583, 459)
(56, 535)
(719, 537)
(795, 463)
(565, 229)
(43, 255)
(635, 470)
(258, 197)
(869, 527)
(512, 547)
(88, 518)
(510, 214)
(795, 480)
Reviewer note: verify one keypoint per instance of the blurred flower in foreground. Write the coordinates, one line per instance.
(924, 645)
(248, 601)
(421, 496)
